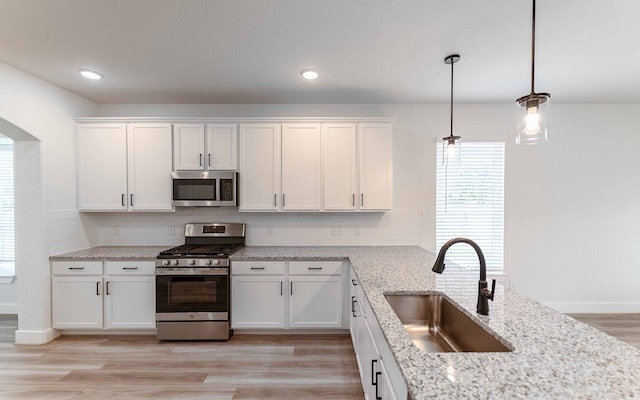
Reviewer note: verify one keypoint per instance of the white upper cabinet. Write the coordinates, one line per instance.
(102, 167)
(339, 166)
(149, 160)
(260, 167)
(301, 167)
(375, 173)
(222, 147)
(124, 167)
(188, 147)
(200, 148)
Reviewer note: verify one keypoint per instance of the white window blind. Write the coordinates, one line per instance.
(7, 231)
(470, 203)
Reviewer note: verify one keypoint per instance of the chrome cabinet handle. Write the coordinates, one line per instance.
(283, 203)
(275, 199)
(201, 159)
(281, 284)
(353, 199)
(131, 199)
(361, 199)
(314, 268)
(75, 268)
(129, 268)
(210, 160)
(259, 268)
(122, 200)
(291, 288)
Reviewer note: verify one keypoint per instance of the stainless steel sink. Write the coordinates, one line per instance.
(436, 325)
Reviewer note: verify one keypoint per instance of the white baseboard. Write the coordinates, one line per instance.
(594, 308)
(8, 308)
(36, 337)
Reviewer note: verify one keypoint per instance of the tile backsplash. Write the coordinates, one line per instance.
(397, 227)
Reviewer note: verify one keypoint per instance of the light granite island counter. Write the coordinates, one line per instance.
(554, 357)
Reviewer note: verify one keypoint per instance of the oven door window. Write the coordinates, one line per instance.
(192, 293)
(194, 189)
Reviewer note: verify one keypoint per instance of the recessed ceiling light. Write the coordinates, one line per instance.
(90, 74)
(309, 74)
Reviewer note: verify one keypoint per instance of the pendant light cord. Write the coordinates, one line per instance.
(451, 106)
(533, 45)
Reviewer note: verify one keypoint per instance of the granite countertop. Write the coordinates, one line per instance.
(112, 253)
(554, 357)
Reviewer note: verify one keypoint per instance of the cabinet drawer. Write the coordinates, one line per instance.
(315, 267)
(76, 268)
(130, 267)
(257, 267)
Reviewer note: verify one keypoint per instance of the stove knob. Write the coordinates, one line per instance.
(208, 262)
(165, 262)
(192, 262)
(216, 262)
(174, 262)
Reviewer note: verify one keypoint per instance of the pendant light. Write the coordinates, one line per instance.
(451, 144)
(533, 109)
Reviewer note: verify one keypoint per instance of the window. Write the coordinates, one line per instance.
(470, 203)
(7, 231)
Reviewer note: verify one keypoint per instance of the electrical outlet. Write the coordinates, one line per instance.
(356, 230)
(420, 211)
(270, 230)
(172, 230)
(336, 231)
(115, 230)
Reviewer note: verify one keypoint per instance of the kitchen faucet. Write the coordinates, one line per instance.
(484, 294)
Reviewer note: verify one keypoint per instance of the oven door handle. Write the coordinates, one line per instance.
(192, 271)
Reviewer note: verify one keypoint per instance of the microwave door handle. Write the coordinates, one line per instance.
(218, 189)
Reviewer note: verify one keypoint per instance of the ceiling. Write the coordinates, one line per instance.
(367, 51)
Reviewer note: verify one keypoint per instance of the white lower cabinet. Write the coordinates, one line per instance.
(118, 295)
(279, 294)
(380, 376)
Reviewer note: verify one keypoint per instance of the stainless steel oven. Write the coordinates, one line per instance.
(198, 295)
(193, 283)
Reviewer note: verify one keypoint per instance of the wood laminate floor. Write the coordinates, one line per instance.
(625, 327)
(140, 367)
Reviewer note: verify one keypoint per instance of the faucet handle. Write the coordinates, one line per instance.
(493, 290)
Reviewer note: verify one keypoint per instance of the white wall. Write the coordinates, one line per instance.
(39, 117)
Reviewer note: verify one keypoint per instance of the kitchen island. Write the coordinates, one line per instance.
(554, 357)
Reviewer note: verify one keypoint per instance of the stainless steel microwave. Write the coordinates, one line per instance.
(204, 188)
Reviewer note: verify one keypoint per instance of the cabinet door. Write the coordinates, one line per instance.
(375, 154)
(149, 154)
(222, 147)
(188, 147)
(102, 167)
(339, 166)
(301, 164)
(77, 302)
(371, 366)
(130, 302)
(257, 301)
(315, 301)
(259, 167)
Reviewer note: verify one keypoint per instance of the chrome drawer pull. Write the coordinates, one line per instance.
(76, 268)
(129, 268)
(257, 268)
(315, 268)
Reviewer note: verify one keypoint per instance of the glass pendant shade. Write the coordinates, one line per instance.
(451, 149)
(533, 118)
